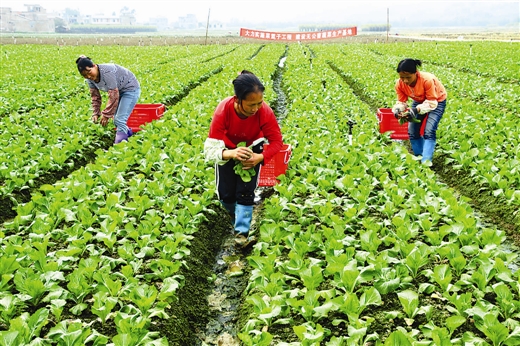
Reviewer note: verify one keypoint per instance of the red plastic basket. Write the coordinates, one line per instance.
(387, 122)
(144, 113)
(275, 167)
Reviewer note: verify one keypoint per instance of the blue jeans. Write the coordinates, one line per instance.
(127, 101)
(430, 130)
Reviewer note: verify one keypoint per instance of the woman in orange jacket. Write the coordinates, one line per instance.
(428, 97)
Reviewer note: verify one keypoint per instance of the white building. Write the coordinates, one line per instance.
(101, 19)
(161, 23)
(34, 19)
(187, 22)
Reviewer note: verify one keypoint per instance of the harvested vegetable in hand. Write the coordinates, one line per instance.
(408, 118)
(245, 174)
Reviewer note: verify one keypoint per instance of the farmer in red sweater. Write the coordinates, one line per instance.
(428, 96)
(244, 117)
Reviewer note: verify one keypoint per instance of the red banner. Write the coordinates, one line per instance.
(298, 36)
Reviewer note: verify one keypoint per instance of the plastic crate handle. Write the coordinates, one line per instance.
(381, 112)
(161, 107)
(288, 154)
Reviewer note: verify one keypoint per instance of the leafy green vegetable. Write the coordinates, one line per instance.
(245, 174)
(103, 305)
(408, 118)
(30, 283)
(410, 302)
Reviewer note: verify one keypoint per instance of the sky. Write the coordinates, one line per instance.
(256, 12)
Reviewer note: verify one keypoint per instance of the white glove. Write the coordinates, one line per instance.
(399, 108)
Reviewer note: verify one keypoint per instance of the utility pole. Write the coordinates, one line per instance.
(207, 25)
(387, 23)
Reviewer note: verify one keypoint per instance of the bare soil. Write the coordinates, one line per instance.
(167, 39)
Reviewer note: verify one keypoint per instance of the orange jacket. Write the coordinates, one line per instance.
(428, 91)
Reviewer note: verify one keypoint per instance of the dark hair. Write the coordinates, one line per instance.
(246, 83)
(408, 65)
(83, 62)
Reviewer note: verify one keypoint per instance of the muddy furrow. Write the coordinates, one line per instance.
(231, 270)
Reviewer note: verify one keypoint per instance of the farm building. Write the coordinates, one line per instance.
(34, 19)
(101, 19)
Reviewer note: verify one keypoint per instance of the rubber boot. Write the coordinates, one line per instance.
(243, 217)
(121, 136)
(429, 147)
(230, 207)
(417, 146)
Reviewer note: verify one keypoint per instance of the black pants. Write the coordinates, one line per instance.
(231, 188)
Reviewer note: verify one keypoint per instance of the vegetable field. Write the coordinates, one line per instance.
(359, 243)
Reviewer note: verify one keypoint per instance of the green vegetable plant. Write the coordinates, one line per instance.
(306, 306)
(312, 277)
(256, 338)
(149, 338)
(56, 307)
(441, 336)
(132, 328)
(510, 307)
(442, 276)
(310, 335)
(103, 305)
(496, 331)
(31, 285)
(408, 118)
(267, 310)
(145, 296)
(461, 303)
(245, 174)
(483, 275)
(73, 334)
(387, 280)
(353, 307)
(24, 328)
(417, 259)
(10, 305)
(410, 302)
